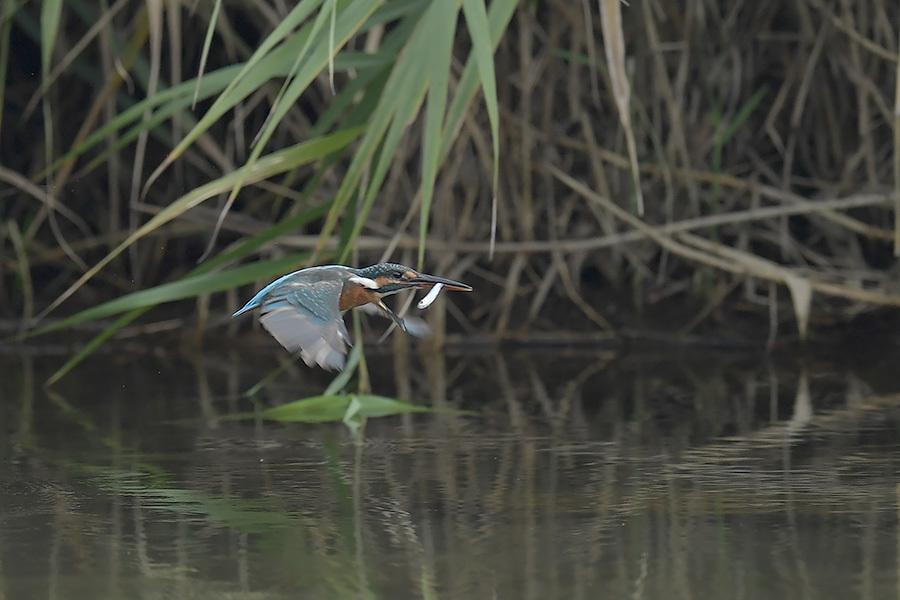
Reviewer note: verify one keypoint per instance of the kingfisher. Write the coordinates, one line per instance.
(303, 310)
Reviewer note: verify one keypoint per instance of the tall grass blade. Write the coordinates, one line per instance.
(895, 158)
(343, 378)
(410, 90)
(155, 19)
(271, 376)
(24, 269)
(140, 302)
(440, 25)
(277, 162)
(95, 343)
(483, 51)
(7, 10)
(187, 287)
(114, 80)
(332, 8)
(243, 249)
(375, 130)
(725, 133)
(376, 111)
(204, 55)
(743, 114)
(499, 14)
(311, 36)
(51, 13)
(351, 19)
(239, 88)
(166, 102)
(98, 23)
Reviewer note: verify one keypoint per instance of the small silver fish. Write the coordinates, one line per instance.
(431, 296)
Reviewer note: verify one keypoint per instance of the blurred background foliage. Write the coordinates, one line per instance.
(162, 150)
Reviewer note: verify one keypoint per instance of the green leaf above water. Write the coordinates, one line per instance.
(333, 407)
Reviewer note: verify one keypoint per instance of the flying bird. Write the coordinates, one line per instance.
(303, 310)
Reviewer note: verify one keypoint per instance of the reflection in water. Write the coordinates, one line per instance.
(630, 478)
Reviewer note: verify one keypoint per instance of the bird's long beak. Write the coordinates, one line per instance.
(426, 281)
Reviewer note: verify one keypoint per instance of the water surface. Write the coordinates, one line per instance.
(573, 476)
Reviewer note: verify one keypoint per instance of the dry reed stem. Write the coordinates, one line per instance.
(801, 185)
(73, 53)
(112, 84)
(739, 262)
(895, 163)
(614, 44)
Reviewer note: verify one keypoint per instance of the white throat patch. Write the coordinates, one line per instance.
(364, 281)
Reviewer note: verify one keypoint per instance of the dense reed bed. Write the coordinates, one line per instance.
(587, 166)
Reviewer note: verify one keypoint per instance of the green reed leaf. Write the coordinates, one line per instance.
(273, 164)
(441, 27)
(333, 407)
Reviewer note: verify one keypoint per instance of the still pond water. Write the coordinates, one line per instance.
(573, 476)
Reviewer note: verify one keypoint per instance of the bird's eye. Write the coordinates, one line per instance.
(398, 275)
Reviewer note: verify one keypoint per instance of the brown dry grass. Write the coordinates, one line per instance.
(766, 136)
(766, 145)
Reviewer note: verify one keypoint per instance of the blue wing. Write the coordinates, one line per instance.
(260, 296)
(310, 275)
(301, 311)
(305, 317)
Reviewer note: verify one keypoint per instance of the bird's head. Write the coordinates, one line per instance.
(389, 278)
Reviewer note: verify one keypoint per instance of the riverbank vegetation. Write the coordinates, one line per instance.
(161, 151)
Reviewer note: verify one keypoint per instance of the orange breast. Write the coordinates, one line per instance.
(355, 295)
